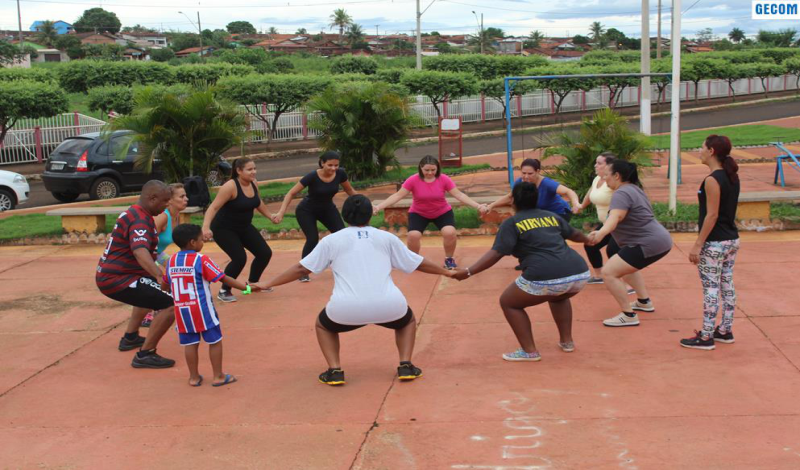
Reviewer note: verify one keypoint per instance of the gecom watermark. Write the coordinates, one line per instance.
(776, 10)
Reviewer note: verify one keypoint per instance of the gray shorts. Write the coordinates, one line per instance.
(565, 285)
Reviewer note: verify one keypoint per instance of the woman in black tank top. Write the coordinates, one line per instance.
(717, 243)
(229, 220)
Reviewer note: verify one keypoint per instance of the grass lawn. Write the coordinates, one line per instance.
(755, 134)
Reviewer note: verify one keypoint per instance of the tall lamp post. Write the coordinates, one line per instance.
(480, 25)
(199, 30)
(644, 86)
(675, 124)
(419, 32)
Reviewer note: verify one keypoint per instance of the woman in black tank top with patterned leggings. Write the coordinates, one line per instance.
(229, 220)
(717, 243)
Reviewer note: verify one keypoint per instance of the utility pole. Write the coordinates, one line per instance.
(675, 106)
(644, 86)
(658, 36)
(200, 34)
(19, 17)
(480, 25)
(419, 38)
(376, 30)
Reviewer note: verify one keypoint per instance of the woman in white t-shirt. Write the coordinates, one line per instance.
(600, 194)
(362, 258)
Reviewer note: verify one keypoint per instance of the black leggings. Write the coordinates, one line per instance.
(307, 218)
(594, 254)
(234, 241)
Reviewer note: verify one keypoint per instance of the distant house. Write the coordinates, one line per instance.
(147, 40)
(510, 46)
(99, 38)
(62, 27)
(207, 50)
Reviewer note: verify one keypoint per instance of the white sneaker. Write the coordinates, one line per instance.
(622, 320)
(648, 307)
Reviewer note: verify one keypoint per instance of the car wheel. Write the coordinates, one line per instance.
(7, 200)
(66, 197)
(215, 177)
(104, 188)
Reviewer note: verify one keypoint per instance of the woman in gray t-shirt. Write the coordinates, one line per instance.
(642, 241)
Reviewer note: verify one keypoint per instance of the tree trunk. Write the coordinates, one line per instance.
(733, 92)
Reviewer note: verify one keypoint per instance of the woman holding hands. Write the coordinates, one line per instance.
(429, 188)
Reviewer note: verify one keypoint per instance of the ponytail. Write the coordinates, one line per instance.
(627, 171)
(721, 146)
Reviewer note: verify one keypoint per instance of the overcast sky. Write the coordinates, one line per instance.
(515, 17)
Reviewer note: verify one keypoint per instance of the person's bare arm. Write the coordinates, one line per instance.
(393, 199)
(463, 198)
(428, 266)
(572, 196)
(231, 281)
(712, 215)
(502, 201)
(224, 195)
(145, 259)
(614, 218)
(489, 259)
(348, 188)
(292, 274)
(161, 221)
(285, 204)
(586, 201)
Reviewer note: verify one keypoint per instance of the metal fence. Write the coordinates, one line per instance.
(33, 140)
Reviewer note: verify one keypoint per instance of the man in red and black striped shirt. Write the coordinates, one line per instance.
(127, 272)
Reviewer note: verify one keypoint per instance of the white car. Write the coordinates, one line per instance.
(14, 190)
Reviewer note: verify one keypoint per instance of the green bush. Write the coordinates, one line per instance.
(81, 75)
(23, 99)
(34, 75)
(354, 64)
(162, 55)
(485, 67)
(210, 73)
(116, 97)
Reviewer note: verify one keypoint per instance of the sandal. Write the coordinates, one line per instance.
(229, 379)
(199, 382)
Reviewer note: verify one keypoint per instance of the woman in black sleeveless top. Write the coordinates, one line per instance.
(715, 250)
(229, 220)
(318, 206)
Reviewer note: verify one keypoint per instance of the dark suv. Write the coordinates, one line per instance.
(91, 164)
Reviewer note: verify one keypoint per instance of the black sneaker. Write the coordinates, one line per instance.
(407, 371)
(226, 296)
(151, 360)
(304, 278)
(126, 344)
(332, 377)
(726, 338)
(697, 342)
(595, 280)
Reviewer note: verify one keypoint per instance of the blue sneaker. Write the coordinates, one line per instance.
(521, 355)
(450, 263)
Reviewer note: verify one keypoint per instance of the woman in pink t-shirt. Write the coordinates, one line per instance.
(428, 189)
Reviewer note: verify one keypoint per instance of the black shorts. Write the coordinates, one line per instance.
(419, 223)
(147, 294)
(334, 327)
(634, 256)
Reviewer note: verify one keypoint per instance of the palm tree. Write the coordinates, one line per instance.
(366, 122)
(355, 34)
(47, 33)
(272, 30)
(596, 31)
(187, 132)
(534, 39)
(736, 35)
(340, 19)
(301, 31)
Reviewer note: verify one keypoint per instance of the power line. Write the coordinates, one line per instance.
(288, 4)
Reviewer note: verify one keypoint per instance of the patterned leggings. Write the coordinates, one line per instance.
(716, 273)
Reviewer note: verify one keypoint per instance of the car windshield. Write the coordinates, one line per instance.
(73, 146)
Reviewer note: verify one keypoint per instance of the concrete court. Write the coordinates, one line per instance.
(629, 398)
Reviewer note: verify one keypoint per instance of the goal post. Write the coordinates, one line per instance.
(674, 172)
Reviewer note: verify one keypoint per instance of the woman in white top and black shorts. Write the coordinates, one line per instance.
(600, 195)
(362, 258)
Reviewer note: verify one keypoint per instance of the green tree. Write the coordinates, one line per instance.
(240, 27)
(562, 87)
(616, 85)
(496, 90)
(736, 35)
(439, 86)
(8, 52)
(731, 73)
(281, 93)
(355, 34)
(605, 131)
(272, 30)
(486, 38)
(180, 41)
(578, 39)
(97, 19)
(366, 122)
(25, 99)
(596, 32)
(46, 33)
(113, 52)
(301, 31)
(765, 70)
(70, 44)
(705, 35)
(354, 64)
(793, 67)
(534, 39)
(138, 29)
(616, 37)
(162, 55)
(782, 38)
(700, 68)
(187, 132)
(340, 19)
(107, 98)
